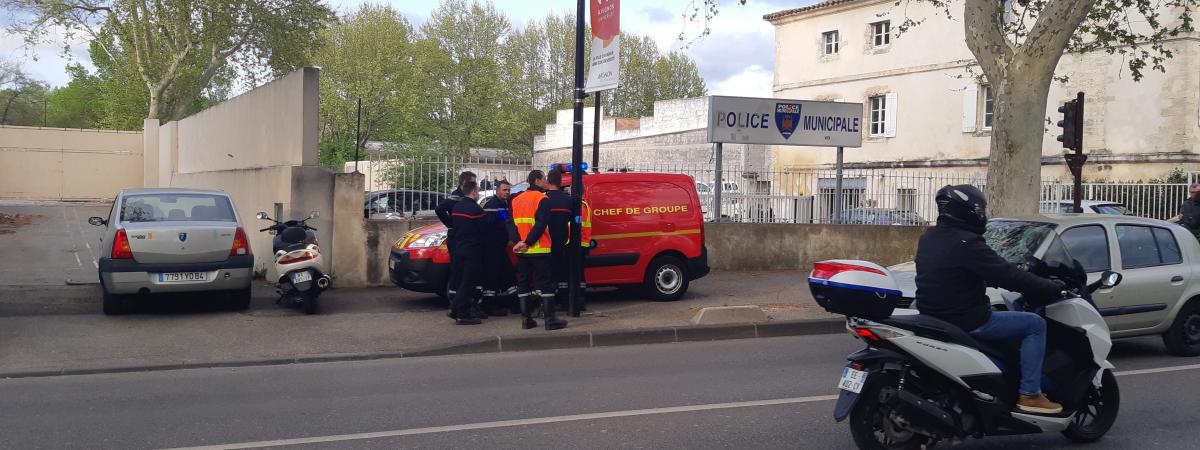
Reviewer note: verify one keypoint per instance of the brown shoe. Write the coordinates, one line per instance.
(1038, 404)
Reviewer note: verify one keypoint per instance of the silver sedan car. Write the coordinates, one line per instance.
(173, 240)
(1160, 262)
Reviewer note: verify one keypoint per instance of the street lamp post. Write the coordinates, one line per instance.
(575, 251)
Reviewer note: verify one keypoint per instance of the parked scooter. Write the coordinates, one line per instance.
(298, 262)
(921, 380)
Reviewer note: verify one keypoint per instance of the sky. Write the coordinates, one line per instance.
(735, 59)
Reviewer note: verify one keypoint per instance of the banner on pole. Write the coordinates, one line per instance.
(604, 69)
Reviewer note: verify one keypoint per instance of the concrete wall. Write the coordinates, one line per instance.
(269, 126)
(745, 246)
(68, 164)
(380, 236)
(261, 148)
(1132, 127)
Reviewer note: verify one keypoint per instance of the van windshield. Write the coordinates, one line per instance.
(177, 208)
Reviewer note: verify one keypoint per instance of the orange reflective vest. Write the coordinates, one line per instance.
(585, 222)
(524, 214)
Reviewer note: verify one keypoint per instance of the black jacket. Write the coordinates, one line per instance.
(1191, 216)
(497, 217)
(469, 227)
(954, 269)
(559, 219)
(444, 208)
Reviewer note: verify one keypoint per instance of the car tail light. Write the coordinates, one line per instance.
(120, 249)
(292, 258)
(827, 269)
(241, 246)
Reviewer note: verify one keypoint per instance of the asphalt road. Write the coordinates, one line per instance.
(760, 393)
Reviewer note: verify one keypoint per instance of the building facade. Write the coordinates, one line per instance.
(926, 104)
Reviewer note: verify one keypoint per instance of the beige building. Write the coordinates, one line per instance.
(926, 104)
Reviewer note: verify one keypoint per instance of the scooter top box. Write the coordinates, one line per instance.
(854, 288)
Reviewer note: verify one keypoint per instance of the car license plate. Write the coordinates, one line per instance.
(300, 277)
(852, 380)
(182, 277)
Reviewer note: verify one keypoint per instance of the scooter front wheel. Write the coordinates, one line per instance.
(871, 424)
(1098, 412)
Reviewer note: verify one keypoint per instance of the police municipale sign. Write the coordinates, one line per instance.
(780, 121)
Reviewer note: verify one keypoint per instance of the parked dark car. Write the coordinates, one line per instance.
(881, 216)
(400, 204)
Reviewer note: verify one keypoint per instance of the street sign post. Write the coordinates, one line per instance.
(779, 121)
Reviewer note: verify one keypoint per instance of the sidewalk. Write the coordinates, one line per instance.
(60, 328)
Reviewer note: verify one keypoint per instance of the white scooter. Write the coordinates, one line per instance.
(298, 262)
(921, 380)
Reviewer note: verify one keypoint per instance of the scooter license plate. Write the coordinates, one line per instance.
(300, 277)
(852, 380)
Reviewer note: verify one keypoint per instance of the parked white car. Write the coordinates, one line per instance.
(1088, 206)
(1160, 263)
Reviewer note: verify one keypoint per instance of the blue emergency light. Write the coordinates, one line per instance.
(566, 168)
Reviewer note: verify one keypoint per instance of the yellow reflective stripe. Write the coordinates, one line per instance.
(535, 249)
(587, 223)
(522, 221)
(646, 234)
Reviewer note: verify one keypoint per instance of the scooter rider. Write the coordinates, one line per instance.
(954, 268)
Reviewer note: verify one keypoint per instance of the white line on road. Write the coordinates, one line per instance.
(1157, 370)
(512, 423)
(571, 418)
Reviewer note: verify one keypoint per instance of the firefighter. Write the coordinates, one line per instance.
(443, 211)
(560, 232)
(500, 281)
(535, 276)
(467, 257)
(585, 240)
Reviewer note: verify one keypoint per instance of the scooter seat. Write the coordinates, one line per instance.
(933, 328)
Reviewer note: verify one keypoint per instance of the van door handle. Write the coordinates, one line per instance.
(1176, 278)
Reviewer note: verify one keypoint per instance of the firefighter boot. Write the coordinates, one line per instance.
(552, 322)
(527, 321)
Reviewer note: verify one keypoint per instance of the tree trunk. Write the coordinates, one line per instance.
(1015, 162)
(153, 110)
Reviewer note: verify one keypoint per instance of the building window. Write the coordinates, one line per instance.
(878, 106)
(988, 107)
(882, 33)
(831, 42)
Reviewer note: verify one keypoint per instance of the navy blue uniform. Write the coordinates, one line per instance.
(470, 232)
(500, 280)
(444, 210)
(558, 205)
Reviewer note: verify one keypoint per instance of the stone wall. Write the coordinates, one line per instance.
(746, 246)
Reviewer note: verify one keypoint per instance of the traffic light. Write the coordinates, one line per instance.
(1072, 125)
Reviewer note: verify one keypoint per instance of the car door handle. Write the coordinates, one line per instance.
(1176, 278)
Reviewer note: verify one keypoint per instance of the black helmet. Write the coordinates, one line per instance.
(962, 204)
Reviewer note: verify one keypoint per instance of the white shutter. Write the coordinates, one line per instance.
(889, 115)
(970, 107)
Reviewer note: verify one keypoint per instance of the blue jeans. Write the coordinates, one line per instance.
(1030, 328)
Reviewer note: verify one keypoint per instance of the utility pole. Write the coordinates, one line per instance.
(1072, 139)
(575, 251)
(596, 134)
(357, 127)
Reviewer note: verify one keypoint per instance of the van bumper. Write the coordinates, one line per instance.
(698, 267)
(417, 275)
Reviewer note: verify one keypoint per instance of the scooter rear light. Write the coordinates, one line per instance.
(120, 248)
(866, 334)
(292, 259)
(241, 245)
(827, 269)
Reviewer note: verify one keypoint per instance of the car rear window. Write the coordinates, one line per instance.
(176, 208)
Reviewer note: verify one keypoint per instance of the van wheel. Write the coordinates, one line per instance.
(666, 279)
(1183, 338)
(113, 304)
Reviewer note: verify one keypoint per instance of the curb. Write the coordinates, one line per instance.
(502, 344)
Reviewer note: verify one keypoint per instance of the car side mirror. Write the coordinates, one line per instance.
(97, 221)
(261, 216)
(1110, 279)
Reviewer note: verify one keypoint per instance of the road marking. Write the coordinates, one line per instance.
(74, 244)
(512, 423)
(1157, 370)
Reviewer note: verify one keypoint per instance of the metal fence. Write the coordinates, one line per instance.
(869, 196)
